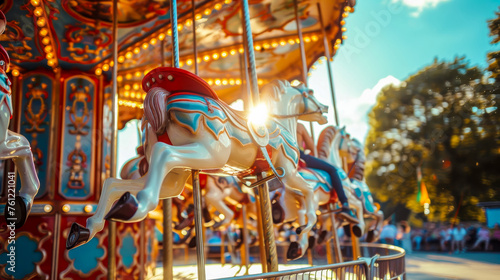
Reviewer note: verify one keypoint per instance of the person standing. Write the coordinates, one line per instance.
(483, 235)
(388, 234)
(458, 239)
(406, 239)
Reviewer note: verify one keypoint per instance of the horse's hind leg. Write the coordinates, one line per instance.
(112, 190)
(164, 158)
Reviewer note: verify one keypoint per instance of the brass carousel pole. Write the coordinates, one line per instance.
(198, 223)
(302, 56)
(270, 262)
(195, 47)
(328, 64)
(114, 143)
(335, 238)
(244, 86)
(168, 256)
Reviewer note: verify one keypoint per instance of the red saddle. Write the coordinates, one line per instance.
(176, 80)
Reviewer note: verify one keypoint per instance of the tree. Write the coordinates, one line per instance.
(444, 119)
(494, 57)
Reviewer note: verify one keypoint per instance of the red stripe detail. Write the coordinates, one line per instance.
(164, 138)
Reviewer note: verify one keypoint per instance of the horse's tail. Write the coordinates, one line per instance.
(154, 108)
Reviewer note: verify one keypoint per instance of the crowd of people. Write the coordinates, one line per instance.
(452, 238)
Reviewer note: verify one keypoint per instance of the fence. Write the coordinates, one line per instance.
(382, 262)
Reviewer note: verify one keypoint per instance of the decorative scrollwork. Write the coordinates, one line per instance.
(79, 116)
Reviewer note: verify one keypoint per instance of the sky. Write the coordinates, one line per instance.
(389, 40)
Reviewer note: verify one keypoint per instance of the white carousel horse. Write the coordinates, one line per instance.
(328, 147)
(219, 191)
(205, 134)
(352, 151)
(16, 147)
(292, 203)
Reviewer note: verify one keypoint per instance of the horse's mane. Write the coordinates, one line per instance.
(274, 89)
(325, 142)
(154, 108)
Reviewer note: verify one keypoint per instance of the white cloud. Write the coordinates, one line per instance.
(419, 5)
(355, 118)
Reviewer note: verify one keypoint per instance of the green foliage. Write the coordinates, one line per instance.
(494, 57)
(444, 119)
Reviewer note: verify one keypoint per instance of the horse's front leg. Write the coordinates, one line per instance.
(164, 158)
(296, 181)
(112, 190)
(355, 203)
(216, 198)
(297, 248)
(374, 233)
(17, 147)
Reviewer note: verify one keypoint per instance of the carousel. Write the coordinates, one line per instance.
(219, 88)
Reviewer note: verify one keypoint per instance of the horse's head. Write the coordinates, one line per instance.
(283, 101)
(346, 148)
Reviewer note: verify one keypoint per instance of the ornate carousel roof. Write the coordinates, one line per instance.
(77, 34)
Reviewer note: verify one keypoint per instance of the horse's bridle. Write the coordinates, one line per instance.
(305, 96)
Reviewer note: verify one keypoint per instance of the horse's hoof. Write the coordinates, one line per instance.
(78, 235)
(300, 229)
(370, 236)
(192, 242)
(356, 229)
(18, 213)
(185, 223)
(216, 225)
(312, 241)
(239, 242)
(278, 212)
(185, 238)
(206, 214)
(124, 209)
(322, 236)
(294, 251)
(347, 230)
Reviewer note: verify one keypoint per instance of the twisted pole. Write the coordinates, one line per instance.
(270, 263)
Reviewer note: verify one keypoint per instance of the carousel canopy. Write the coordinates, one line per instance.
(77, 34)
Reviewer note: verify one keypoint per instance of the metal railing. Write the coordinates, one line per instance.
(390, 264)
(381, 262)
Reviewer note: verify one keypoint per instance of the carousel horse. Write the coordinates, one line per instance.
(193, 129)
(225, 194)
(288, 206)
(16, 147)
(330, 143)
(352, 151)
